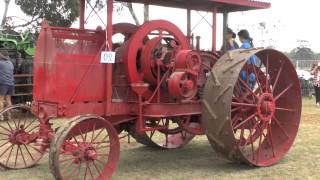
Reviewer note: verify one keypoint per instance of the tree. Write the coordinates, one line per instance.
(58, 13)
(4, 17)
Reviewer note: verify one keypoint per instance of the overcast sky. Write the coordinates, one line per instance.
(286, 22)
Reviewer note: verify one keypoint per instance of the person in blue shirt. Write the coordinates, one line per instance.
(247, 43)
(6, 81)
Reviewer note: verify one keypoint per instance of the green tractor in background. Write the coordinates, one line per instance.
(21, 48)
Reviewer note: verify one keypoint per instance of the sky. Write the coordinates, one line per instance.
(286, 23)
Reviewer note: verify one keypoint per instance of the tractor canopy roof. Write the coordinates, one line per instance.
(207, 5)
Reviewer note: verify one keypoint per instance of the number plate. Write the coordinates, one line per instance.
(108, 57)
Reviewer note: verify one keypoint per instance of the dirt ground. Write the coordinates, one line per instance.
(198, 161)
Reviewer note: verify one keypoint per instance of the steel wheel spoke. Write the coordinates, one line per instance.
(280, 126)
(267, 74)
(28, 152)
(4, 134)
(29, 131)
(277, 77)
(75, 140)
(86, 172)
(6, 150)
(25, 163)
(254, 127)
(30, 124)
(252, 148)
(246, 120)
(39, 151)
(285, 109)
(234, 120)
(90, 170)
(243, 104)
(4, 128)
(271, 139)
(9, 125)
(236, 109)
(97, 169)
(66, 168)
(9, 155)
(283, 92)
(247, 87)
(68, 159)
(72, 172)
(260, 141)
(15, 161)
(93, 131)
(98, 135)
(81, 134)
(4, 144)
(15, 124)
(257, 78)
(79, 171)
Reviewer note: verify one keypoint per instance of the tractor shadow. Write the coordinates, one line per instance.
(197, 157)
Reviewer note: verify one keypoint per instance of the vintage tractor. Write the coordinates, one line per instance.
(21, 51)
(155, 86)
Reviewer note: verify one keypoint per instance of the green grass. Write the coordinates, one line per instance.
(197, 160)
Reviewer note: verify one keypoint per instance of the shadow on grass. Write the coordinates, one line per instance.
(194, 156)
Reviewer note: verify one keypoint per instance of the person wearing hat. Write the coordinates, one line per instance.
(231, 43)
(6, 80)
(247, 43)
(316, 81)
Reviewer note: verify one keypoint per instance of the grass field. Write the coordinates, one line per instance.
(197, 160)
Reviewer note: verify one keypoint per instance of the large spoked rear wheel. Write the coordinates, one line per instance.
(86, 147)
(252, 111)
(20, 143)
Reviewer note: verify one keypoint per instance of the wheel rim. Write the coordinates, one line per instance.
(20, 146)
(257, 122)
(87, 147)
(171, 138)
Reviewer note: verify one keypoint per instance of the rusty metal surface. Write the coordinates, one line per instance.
(219, 108)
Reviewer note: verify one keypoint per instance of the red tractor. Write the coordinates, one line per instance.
(157, 87)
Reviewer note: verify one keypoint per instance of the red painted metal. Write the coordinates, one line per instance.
(109, 34)
(182, 85)
(155, 90)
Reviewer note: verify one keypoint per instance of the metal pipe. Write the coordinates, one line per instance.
(225, 26)
(109, 66)
(214, 30)
(189, 25)
(82, 13)
(198, 43)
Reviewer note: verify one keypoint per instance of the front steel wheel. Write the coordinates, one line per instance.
(86, 147)
(20, 143)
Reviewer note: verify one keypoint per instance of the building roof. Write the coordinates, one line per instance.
(207, 5)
